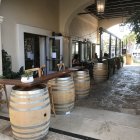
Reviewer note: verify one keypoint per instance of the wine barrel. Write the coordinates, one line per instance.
(29, 112)
(63, 93)
(82, 84)
(129, 59)
(100, 72)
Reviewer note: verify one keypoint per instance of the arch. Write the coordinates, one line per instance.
(107, 23)
(71, 9)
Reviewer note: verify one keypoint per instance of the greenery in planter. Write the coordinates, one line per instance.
(6, 61)
(117, 61)
(121, 59)
(111, 66)
(134, 22)
(105, 61)
(27, 74)
(6, 66)
(111, 62)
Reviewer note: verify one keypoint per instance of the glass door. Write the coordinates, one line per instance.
(31, 51)
(54, 53)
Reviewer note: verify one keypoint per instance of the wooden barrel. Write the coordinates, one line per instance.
(29, 112)
(82, 84)
(51, 82)
(63, 93)
(100, 72)
(129, 59)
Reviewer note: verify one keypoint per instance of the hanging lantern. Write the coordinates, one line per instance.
(100, 6)
(121, 27)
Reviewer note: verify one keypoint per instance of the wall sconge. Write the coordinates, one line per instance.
(100, 6)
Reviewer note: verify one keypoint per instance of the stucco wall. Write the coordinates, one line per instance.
(52, 15)
(37, 13)
(107, 23)
(72, 25)
(68, 9)
(84, 26)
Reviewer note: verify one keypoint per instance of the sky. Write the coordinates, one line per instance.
(116, 30)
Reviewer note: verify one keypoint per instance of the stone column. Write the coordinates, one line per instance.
(1, 20)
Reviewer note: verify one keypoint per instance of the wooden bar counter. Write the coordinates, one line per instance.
(36, 81)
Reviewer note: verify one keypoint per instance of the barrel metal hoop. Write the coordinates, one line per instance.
(28, 103)
(33, 96)
(85, 90)
(32, 138)
(33, 92)
(64, 89)
(82, 80)
(71, 103)
(63, 79)
(29, 133)
(63, 84)
(31, 109)
(31, 127)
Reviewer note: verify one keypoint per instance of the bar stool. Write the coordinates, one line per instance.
(35, 69)
(51, 99)
(50, 90)
(43, 69)
(61, 66)
(3, 87)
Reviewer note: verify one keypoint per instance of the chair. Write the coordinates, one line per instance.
(42, 69)
(61, 66)
(35, 69)
(3, 87)
(51, 98)
(41, 73)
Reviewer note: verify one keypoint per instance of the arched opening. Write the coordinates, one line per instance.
(78, 29)
(130, 49)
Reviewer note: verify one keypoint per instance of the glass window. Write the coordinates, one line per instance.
(113, 41)
(106, 37)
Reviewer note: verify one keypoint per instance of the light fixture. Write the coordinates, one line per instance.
(121, 26)
(100, 6)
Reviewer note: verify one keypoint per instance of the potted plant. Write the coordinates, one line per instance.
(111, 66)
(121, 61)
(27, 77)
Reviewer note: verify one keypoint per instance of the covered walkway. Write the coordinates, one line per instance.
(111, 112)
(121, 93)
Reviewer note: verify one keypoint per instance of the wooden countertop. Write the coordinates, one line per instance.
(36, 81)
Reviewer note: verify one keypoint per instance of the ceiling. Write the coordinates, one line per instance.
(115, 9)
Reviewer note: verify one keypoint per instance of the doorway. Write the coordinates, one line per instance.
(54, 53)
(40, 50)
(34, 50)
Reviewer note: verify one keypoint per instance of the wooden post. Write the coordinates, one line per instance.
(110, 46)
(115, 47)
(1, 20)
(101, 43)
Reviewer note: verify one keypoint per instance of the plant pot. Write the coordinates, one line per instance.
(27, 79)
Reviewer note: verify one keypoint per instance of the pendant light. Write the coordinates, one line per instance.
(100, 6)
